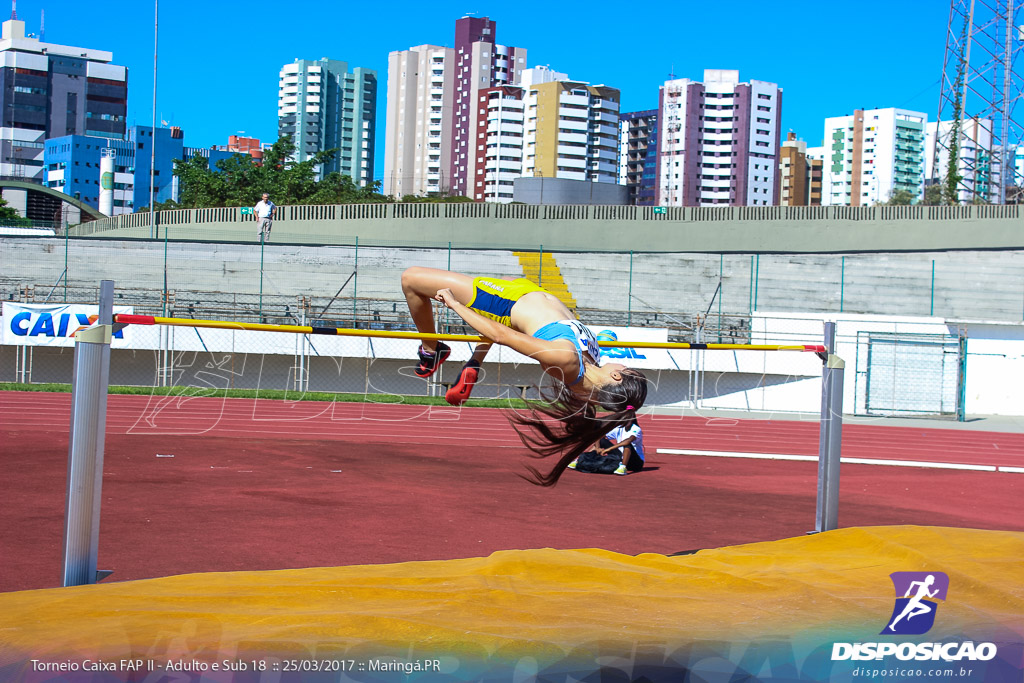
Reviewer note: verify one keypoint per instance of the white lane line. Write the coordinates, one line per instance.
(736, 454)
(854, 461)
(1019, 470)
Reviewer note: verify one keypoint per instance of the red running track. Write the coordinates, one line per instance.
(260, 484)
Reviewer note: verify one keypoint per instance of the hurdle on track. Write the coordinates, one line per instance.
(89, 400)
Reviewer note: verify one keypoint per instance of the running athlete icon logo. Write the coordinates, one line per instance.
(916, 595)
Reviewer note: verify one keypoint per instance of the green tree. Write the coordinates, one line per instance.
(201, 187)
(901, 198)
(339, 189)
(241, 181)
(951, 192)
(933, 195)
(8, 213)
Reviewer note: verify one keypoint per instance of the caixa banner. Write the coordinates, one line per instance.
(54, 324)
(652, 359)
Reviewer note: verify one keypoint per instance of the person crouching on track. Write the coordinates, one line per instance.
(621, 451)
(526, 318)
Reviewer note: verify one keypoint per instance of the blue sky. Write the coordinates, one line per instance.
(219, 59)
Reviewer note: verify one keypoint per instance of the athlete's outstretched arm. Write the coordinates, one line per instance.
(550, 355)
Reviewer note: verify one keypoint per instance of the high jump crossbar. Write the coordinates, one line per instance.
(90, 384)
(129, 319)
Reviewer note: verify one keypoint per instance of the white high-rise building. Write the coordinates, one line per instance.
(418, 134)
(501, 121)
(1014, 193)
(540, 74)
(871, 154)
(323, 105)
(718, 141)
(549, 127)
(975, 158)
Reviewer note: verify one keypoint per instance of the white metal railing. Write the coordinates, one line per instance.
(399, 211)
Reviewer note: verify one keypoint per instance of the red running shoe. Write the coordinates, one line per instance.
(430, 362)
(460, 391)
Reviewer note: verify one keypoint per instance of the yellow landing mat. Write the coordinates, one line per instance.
(545, 604)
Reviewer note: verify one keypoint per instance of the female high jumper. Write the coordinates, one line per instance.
(526, 318)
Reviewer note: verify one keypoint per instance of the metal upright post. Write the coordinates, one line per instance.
(961, 378)
(263, 241)
(629, 296)
(827, 517)
(85, 451)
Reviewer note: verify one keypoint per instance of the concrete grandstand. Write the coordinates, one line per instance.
(712, 275)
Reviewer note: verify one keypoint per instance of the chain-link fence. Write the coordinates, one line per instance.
(358, 280)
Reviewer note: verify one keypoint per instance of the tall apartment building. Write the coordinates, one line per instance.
(501, 120)
(478, 63)
(816, 168)
(815, 179)
(718, 141)
(572, 132)
(974, 163)
(323, 105)
(53, 90)
(418, 134)
(871, 154)
(638, 155)
(799, 174)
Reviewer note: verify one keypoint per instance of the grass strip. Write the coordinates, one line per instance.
(273, 394)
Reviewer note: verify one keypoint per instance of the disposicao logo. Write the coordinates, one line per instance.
(917, 602)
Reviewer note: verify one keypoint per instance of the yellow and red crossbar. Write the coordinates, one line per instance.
(129, 319)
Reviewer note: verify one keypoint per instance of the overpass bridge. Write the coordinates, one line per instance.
(42, 203)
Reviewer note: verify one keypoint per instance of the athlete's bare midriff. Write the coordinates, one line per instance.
(543, 308)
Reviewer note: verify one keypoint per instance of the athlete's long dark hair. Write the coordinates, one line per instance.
(565, 424)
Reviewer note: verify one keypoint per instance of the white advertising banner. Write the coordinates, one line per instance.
(239, 341)
(652, 359)
(54, 324)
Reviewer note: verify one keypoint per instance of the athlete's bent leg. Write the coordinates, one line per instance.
(420, 286)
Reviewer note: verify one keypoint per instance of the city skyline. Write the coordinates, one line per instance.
(874, 59)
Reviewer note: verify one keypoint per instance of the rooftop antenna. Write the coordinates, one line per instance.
(42, 23)
(14, 9)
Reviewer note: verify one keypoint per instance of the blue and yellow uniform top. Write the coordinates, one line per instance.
(494, 298)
